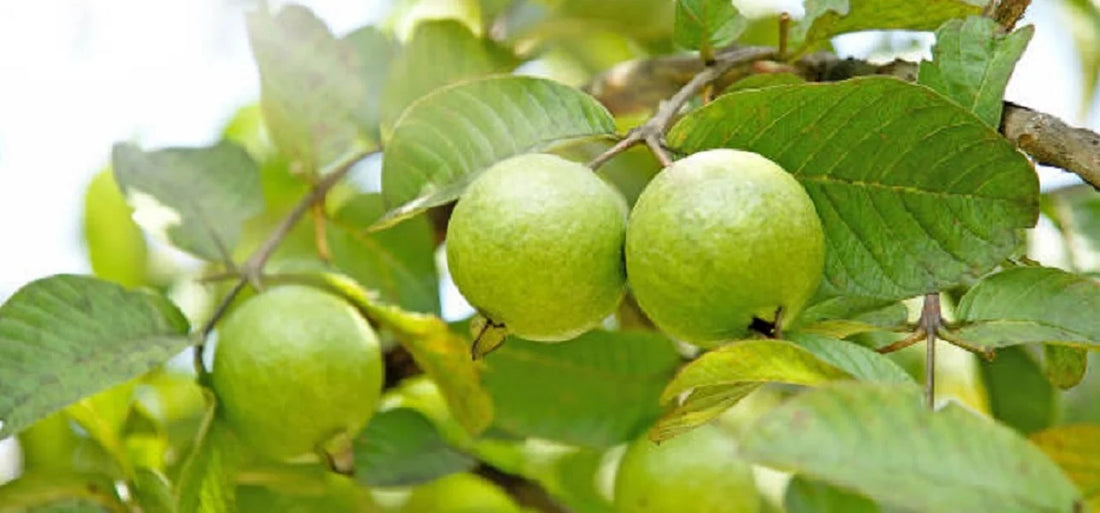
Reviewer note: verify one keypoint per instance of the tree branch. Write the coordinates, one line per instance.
(252, 270)
(652, 131)
(639, 85)
(1051, 141)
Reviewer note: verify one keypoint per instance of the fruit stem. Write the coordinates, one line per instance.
(931, 319)
(252, 270)
(653, 130)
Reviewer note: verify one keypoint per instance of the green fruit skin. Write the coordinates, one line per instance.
(536, 243)
(696, 472)
(718, 238)
(295, 367)
(459, 493)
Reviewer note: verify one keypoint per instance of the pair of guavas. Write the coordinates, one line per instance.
(720, 238)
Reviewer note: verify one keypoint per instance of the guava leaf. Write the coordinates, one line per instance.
(914, 192)
(314, 88)
(153, 491)
(844, 316)
(597, 390)
(444, 140)
(398, 262)
(376, 52)
(1029, 305)
(805, 495)
(441, 354)
(63, 492)
(1075, 448)
(847, 434)
(722, 377)
(401, 447)
(971, 63)
(1065, 366)
(827, 18)
(1019, 395)
(115, 244)
(67, 337)
(439, 53)
(194, 198)
(764, 80)
(206, 483)
(707, 24)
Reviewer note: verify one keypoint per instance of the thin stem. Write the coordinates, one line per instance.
(219, 312)
(987, 353)
(655, 146)
(931, 319)
(784, 34)
(252, 270)
(913, 338)
(655, 128)
(320, 233)
(624, 144)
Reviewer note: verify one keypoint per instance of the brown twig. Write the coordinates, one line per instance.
(655, 127)
(633, 86)
(252, 270)
(1007, 12)
(1051, 141)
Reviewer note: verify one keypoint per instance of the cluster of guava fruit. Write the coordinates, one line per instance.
(720, 241)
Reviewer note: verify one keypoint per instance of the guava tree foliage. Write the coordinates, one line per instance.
(913, 188)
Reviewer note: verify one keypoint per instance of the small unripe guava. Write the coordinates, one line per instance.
(459, 493)
(698, 471)
(536, 243)
(718, 238)
(295, 368)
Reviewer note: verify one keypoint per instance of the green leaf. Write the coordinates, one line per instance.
(398, 262)
(115, 244)
(153, 491)
(1019, 395)
(878, 440)
(61, 492)
(603, 386)
(971, 64)
(1065, 366)
(439, 53)
(805, 495)
(206, 483)
(827, 18)
(441, 354)
(1075, 448)
(67, 337)
(915, 193)
(1084, 24)
(375, 52)
(706, 24)
(401, 447)
(195, 198)
(764, 80)
(1029, 305)
(313, 87)
(447, 138)
(722, 377)
(103, 417)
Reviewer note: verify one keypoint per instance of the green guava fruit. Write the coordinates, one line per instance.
(296, 368)
(459, 493)
(720, 238)
(698, 471)
(536, 244)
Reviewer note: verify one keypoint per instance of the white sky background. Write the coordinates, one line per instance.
(78, 75)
